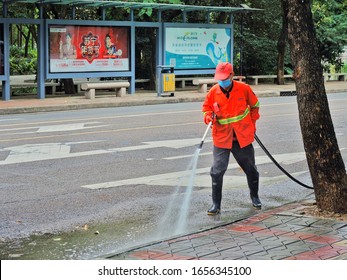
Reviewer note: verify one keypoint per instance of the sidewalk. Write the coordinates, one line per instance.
(281, 233)
(31, 104)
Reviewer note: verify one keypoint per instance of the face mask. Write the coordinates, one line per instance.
(224, 83)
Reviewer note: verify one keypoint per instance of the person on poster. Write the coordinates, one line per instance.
(67, 50)
(110, 47)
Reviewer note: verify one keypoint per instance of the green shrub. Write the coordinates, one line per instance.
(21, 64)
(344, 67)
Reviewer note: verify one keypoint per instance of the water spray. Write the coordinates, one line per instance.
(180, 216)
(205, 134)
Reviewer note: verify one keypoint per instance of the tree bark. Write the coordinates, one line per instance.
(281, 49)
(325, 162)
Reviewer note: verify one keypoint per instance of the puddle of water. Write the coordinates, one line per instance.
(86, 242)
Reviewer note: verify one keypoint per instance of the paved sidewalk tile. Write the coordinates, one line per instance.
(268, 235)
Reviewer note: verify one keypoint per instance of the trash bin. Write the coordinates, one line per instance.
(167, 81)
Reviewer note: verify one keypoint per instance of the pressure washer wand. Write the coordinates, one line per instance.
(205, 134)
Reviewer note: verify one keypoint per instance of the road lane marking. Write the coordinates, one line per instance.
(105, 118)
(50, 151)
(6, 120)
(208, 140)
(52, 128)
(100, 131)
(173, 178)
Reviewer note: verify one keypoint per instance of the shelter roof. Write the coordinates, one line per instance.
(135, 5)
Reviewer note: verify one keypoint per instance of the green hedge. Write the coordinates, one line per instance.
(21, 64)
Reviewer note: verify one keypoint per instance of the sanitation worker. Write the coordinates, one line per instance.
(233, 109)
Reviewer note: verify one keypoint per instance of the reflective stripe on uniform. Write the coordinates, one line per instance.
(234, 119)
(256, 105)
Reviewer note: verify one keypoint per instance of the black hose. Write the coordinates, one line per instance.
(278, 165)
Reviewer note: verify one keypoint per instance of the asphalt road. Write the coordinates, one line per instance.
(81, 184)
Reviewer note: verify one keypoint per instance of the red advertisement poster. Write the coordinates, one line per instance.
(88, 48)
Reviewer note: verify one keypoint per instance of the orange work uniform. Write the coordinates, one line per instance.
(235, 116)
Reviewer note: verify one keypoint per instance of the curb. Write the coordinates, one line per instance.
(126, 103)
(66, 107)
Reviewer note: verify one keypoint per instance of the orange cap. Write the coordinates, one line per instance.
(223, 71)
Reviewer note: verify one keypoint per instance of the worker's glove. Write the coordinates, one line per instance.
(208, 118)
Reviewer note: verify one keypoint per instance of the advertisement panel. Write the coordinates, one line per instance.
(75, 48)
(197, 48)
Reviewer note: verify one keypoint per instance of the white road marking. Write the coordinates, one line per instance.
(53, 128)
(203, 180)
(67, 127)
(201, 154)
(6, 120)
(186, 156)
(49, 151)
(46, 151)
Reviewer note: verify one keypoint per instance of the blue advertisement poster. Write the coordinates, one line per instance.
(197, 48)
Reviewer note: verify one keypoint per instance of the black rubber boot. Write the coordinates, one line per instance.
(254, 188)
(216, 198)
(214, 210)
(256, 202)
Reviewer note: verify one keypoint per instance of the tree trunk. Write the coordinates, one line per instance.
(281, 49)
(325, 162)
(33, 31)
(69, 86)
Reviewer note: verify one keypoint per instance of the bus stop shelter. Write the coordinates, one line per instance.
(189, 48)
